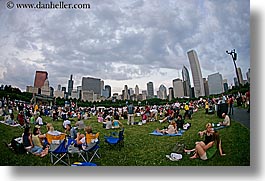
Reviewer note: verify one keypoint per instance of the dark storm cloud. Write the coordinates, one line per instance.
(122, 40)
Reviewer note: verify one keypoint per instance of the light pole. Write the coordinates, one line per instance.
(234, 58)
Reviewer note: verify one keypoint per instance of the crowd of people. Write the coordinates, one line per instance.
(110, 118)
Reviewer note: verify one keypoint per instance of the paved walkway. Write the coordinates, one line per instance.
(242, 116)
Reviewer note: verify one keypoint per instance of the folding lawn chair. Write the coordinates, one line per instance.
(92, 146)
(58, 148)
(116, 138)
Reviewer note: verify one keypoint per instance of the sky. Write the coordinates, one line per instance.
(123, 42)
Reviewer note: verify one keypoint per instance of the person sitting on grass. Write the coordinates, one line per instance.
(206, 149)
(38, 140)
(171, 129)
(226, 121)
(116, 122)
(29, 146)
(169, 117)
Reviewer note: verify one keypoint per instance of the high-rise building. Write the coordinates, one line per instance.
(248, 76)
(59, 88)
(162, 92)
(144, 94)
(40, 78)
(170, 93)
(236, 82)
(108, 88)
(79, 92)
(186, 82)
(70, 85)
(241, 81)
(150, 90)
(101, 87)
(225, 84)
(137, 90)
(178, 88)
(130, 91)
(215, 83)
(125, 93)
(206, 87)
(196, 73)
(91, 84)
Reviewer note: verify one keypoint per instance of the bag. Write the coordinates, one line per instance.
(179, 148)
(17, 145)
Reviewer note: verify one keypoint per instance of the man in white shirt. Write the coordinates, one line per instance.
(226, 121)
(39, 120)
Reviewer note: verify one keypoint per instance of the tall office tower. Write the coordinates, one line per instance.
(196, 73)
(236, 82)
(215, 83)
(248, 76)
(186, 82)
(144, 94)
(137, 90)
(40, 78)
(59, 87)
(91, 84)
(70, 85)
(241, 81)
(170, 93)
(225, 84)
(64, 89)
(125, 93)
(206, 87)
(108, 89)
(101, 86)
(150, 90)
(162, 92)
(79, 92)
(178, 88)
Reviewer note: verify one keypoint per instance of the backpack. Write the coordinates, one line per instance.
(17, 145)
(179, 148)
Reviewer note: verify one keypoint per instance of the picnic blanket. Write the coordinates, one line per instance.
(156, 133)
(13, 125)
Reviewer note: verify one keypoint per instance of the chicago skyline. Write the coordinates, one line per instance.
(107, 41)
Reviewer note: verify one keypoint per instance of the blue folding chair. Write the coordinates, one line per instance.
(59, 151)
(115, 138)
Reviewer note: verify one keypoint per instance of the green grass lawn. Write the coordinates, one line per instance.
(142, 149)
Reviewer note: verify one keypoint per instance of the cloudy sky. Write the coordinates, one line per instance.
(123, 41)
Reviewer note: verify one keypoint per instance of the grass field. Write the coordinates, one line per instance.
(142, 149)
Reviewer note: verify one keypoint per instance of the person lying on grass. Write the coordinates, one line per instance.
(206, 149)
(171, 129)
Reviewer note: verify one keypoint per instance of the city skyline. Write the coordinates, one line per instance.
(108, 42)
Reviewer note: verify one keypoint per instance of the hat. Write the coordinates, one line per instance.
(37, 126)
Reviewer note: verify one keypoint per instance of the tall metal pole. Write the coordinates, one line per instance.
(234, 58)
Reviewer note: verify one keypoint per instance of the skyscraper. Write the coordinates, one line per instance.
(150, 90)
(162, 92)
(186, 82)
(108, 88)
(248, 76)
(137, 90)
(91, 84)
(170, 93)
(206, 86)
(125, 93)
(70, 85)
(178, 88)
(40, 78)
(196, 73)
(215, 83)
(240, 76)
